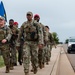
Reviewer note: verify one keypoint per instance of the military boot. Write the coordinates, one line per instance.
(26, 73)
(47, 63)
(40, 65)
(15, 64)
(32, 70)
(7, 69)
(43, 65)
(20, 62)
(35, 70)
(11, 67)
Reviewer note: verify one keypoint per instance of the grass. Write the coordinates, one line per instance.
(1, 61)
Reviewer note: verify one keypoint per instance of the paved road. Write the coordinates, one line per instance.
(71, 56)
(48, 70)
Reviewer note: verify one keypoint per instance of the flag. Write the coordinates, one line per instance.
(2, 11)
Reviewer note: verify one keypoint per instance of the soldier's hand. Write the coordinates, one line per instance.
(40, 46)
(55, 47)
(17, 47)
(4, 41)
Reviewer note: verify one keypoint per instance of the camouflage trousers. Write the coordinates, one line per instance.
(41, 55)
(30, 52)
(50, 49)
(6, 54)
(47, 53)
(20, 54)
(13, 57)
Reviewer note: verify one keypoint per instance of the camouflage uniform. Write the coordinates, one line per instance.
(13, 60)
(52, 42)
(32, 37)
(49, 47)
(20, 51)
(5, 33)
(41, 52)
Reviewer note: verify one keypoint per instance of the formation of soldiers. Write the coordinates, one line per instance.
(32, 40)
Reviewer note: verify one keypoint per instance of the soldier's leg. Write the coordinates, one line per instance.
(40, 58)
(47, 55)
(15, 55)
(44, 51)
(34, 52)
(50, 50)
(11, 58)
(6, 57)
(32, 69)
(26, 58)
(20, 55)
(43, 57)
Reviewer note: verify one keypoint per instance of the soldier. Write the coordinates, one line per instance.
(16, 24)
(49, 44)
(5, 36)
(32, 40)
(41, 52)
(20, 50)
(13, 61)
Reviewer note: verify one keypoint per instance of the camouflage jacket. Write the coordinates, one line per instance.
(50, 39)
(31, 31)
(14, 36)
(5, 33)
(44, 36)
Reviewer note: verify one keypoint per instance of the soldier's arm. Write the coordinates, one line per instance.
(52, 40)
(40, 34)
(17, 32)
(45, 35)
(19, 36)
(8, 34)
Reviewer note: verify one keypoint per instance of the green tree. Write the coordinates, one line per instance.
(55, 36)
(66, 41)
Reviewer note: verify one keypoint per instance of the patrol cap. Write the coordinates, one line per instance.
(36, 15)
(30, 13)
(2, 17)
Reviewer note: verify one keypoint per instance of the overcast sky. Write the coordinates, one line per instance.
(59, 15)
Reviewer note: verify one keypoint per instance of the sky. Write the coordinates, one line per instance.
(59, 15)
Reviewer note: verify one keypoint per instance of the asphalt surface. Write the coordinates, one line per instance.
(71, 56)
(50, 69)
(59, 65)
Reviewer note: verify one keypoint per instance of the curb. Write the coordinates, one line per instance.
(56, 64)
(64, 67)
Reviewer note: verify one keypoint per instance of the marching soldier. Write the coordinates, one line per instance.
(5, 36)
(20, 50)
(41, 53)
(32, 40)
(13, 60)
(49, 44)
